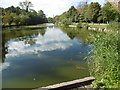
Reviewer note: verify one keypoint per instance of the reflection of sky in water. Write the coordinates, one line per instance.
(53, 58)
(4, 65)
(52, 40)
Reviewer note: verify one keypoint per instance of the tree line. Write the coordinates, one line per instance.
(89, 13)
(25, 16)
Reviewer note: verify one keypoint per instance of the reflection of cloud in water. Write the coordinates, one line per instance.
(4, 65)
(52, 36)
(52, 40)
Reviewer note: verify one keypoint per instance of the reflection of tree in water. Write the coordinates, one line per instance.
(82, 35)
(7, 35)
(43, 33)
(27, 36)
(71, 35)
(30, 41)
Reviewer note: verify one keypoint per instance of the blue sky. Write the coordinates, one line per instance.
(50, 7)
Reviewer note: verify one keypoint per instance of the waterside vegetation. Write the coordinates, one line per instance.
(104, 57)
(104, 60)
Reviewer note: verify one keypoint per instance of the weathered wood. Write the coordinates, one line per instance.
(71, 84)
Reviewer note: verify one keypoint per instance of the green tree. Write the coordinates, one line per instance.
(7, 19)
(13, 9)
(71, 13)
(24, 19)
(68, 17)
(92, 12)
(42, 16)
(50, 20)
(17, 20)
(109, 13)
(82, 9)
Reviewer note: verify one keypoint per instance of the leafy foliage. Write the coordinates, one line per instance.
(16, 16)
(104, 61)
(90, 13)
(67, 17)
(50, 20)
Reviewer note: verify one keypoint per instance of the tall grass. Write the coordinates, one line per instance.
(104, 62)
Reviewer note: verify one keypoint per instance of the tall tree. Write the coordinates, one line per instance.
(108, 13)
(83, 13)
(92, 12)
(26, 5)
(42, 16)
(50, 20)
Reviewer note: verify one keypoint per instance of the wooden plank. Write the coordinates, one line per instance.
(65, 84)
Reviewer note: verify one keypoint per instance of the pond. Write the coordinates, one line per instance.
(37, 58)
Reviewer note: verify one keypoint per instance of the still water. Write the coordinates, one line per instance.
(37, 58)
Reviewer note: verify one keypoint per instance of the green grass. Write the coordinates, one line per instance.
(98, 26)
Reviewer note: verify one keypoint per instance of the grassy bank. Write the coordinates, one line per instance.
(104, 62)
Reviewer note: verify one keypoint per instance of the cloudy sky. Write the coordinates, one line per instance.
(50, 7)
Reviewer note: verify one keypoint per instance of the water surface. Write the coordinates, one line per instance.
(39, 58)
